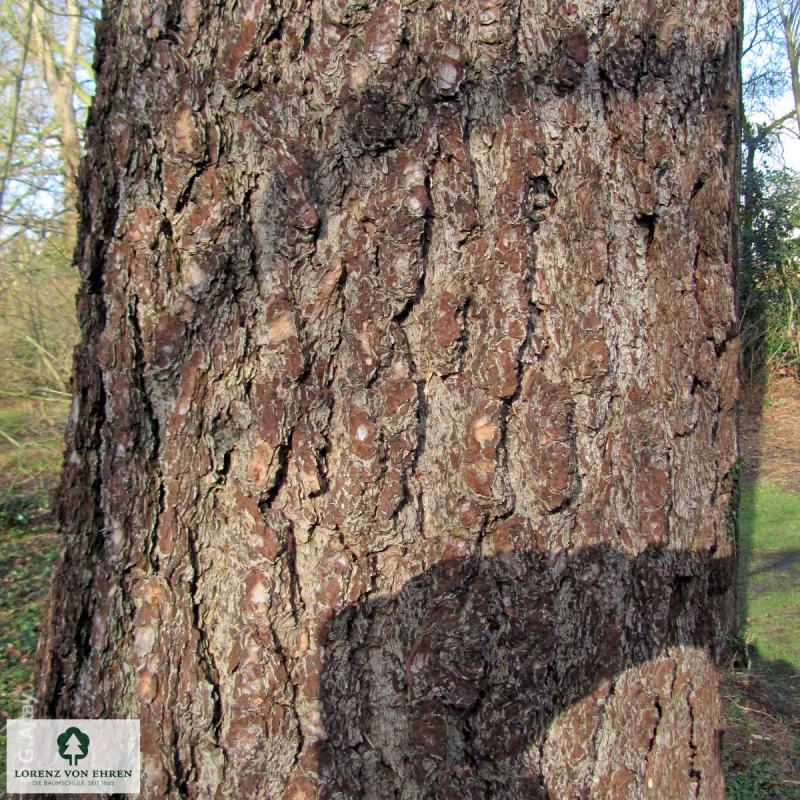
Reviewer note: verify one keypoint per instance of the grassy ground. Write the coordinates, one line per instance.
(762, 701)
(762, 695)
(770, 567)
(30, 457)
(761, 750)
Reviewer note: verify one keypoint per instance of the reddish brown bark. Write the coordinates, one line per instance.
(401, 459)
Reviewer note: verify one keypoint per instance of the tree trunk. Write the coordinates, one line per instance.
(401, 459)
(59, 76)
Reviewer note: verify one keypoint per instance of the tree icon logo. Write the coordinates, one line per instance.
(73, 745)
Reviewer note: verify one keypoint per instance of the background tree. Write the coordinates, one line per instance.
(789, 13)
(47, 83)
(769, 282)
(61, 44)
(44, 80)
(770, 276)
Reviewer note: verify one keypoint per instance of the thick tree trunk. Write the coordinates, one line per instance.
(403, 440)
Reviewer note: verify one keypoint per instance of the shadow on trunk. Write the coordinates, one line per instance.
(465, 669)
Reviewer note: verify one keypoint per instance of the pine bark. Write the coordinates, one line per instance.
(402, 456)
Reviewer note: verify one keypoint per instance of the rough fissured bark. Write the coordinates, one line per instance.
(402, 447)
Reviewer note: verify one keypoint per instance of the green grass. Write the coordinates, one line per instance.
(769, 597)
(761, 747)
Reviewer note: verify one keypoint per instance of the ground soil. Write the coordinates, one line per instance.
(762, 724)
(769, 434)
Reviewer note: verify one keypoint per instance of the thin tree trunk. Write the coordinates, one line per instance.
(787, 20)
(60, 81)
(8, 164)
(401, 456)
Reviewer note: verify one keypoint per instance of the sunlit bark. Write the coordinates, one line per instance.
(401, 462)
